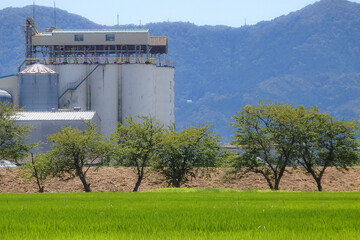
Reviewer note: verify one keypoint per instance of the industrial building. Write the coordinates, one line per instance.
(112, 73)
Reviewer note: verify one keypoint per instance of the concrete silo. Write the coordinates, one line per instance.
(148, 90)
(118, 73)
(38, 88)
(118, 91)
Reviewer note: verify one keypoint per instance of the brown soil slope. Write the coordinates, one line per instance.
(123, 180)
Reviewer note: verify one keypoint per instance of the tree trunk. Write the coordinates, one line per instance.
(280, 175)
(177, 177)
(82, 177)
(269, 182)
(277, 183)
(138, 182)
(83, 180)
(41, 188)
(86, 185)
(316, 178)
(318, 182)
(175, 183)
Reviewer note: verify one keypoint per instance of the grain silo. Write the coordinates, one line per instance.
(38, 88)
(118, 73)
(99, 75)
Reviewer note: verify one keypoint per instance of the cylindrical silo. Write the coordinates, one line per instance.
(38, 88)
(5, 97)
(138, 90)
(165, 107)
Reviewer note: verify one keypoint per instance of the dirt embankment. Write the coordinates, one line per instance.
(123, 180)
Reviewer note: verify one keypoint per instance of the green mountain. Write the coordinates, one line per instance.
(309, 57)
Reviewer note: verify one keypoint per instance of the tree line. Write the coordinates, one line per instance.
(271, 137)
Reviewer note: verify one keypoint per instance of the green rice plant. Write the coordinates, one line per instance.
(181, 214)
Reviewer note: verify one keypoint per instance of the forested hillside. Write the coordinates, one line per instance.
(308, 57)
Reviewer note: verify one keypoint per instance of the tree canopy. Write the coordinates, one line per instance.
(276, 136)
(137, 144)
(326, 142)
(183, 151)
(39, 168)
(13, 136)
(73, 151)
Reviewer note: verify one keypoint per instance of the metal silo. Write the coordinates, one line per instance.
(38, 88)
(5, 97)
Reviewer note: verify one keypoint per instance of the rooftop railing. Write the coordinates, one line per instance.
(100, 60)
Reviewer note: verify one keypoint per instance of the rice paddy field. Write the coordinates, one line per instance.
(181, 214)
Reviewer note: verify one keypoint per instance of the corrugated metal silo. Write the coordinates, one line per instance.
(5, 97)
(38, 88)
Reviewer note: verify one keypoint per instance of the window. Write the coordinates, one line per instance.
(110, 37)
(78, 38)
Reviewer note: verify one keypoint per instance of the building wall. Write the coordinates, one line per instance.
(10, 84)
(43, 128)
(69, 74)
(140, 37)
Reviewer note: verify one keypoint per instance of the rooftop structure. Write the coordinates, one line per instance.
(56, 46)
(86, 37)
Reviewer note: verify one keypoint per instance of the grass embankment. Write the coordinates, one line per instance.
(191, 214)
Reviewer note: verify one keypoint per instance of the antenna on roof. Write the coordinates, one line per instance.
(34, 9)
(245, 22)
(118, 19)
(140, 23)
(54, 14)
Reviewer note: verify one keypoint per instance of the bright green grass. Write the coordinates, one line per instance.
(205, 214)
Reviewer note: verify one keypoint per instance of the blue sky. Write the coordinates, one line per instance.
(201, 12)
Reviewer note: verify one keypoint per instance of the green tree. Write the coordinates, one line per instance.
(137, 144)
(267, 136)
(184, 151)
(39, 168)
(275, 136)
(326, 142)
(12, 136)
(73, 151)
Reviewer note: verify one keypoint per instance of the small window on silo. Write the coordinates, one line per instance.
(110, 37)
(78, 37)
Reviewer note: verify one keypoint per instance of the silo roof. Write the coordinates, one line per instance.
(38, 68)
(54, 116)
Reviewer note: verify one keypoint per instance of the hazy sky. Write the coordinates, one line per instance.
(201, 12)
